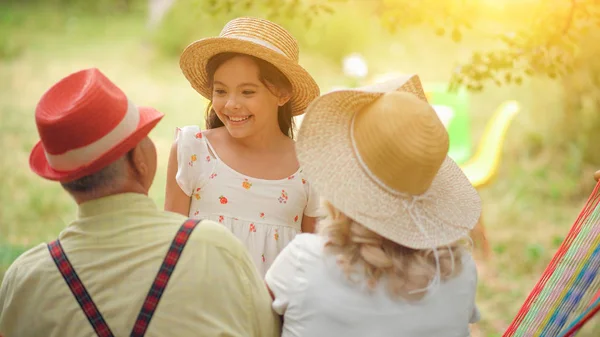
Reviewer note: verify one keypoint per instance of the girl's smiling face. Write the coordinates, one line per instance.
(245, 104)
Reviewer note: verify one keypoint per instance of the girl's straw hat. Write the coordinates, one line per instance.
(379, 154)
(257, 37)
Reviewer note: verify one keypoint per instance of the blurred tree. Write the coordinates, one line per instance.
(188, 20)
(157, 10)
(545, 43)
(552, 39)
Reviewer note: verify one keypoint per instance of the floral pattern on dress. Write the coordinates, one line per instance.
(193, 158)
(197, 194)
(263, 214)
(283, 198)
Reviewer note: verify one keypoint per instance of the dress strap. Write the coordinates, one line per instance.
(211, 149)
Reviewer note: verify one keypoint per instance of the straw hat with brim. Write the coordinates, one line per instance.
(256, 37)
(379, 155)
(85, 123)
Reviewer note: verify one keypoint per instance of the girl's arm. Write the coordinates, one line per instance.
(308, 224)
(175, 199)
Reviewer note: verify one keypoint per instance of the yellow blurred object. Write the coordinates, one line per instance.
(483, 166)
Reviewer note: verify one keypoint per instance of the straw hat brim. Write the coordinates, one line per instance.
(326, 154)
(149, 118)
(194, 58)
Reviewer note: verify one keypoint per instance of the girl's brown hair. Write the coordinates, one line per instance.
(269, 75)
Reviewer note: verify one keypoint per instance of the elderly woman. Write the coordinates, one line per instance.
(389, 260)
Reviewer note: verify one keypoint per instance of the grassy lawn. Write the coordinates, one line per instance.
(526, 215)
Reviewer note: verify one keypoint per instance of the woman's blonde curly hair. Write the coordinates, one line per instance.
(405, 269)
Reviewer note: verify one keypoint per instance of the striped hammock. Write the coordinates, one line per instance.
(568, 293)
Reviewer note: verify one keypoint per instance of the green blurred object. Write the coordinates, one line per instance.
(453, 109)
(9, 253)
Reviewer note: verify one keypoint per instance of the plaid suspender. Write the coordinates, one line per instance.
(78, 289)
(158, 286)
(162, 278)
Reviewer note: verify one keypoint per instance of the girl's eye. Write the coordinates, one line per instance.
(220, 91)
(248, 92)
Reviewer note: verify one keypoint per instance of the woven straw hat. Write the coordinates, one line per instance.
(257, 37)
(379, 154)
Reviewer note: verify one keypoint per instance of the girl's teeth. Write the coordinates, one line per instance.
(238, 119)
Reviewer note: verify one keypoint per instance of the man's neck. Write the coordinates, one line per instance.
(80, 198)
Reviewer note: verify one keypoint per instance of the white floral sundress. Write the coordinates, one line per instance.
(264, 214)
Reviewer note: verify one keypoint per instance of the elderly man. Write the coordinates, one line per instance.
(123, 267)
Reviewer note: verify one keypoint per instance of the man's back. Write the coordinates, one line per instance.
(116, 247)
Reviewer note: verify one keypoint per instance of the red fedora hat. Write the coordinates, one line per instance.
(85, 123)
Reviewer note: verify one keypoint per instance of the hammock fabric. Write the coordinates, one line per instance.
(567, 295)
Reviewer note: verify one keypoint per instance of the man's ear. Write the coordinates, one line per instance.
(138, 162)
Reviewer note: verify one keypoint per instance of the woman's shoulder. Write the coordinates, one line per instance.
(308, 243)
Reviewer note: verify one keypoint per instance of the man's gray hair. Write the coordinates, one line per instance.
(106, 178)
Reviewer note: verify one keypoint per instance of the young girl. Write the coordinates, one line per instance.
(243, 171)
(388, 260)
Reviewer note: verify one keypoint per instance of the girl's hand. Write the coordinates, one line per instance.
(308, 224)
(597, 175)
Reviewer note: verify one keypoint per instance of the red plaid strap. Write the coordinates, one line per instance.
(162, 278)
(158, 286)
(78, 289)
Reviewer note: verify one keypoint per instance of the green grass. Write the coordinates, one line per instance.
(9, 253)
(527, 211)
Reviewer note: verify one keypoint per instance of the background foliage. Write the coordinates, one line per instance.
(543, 54)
